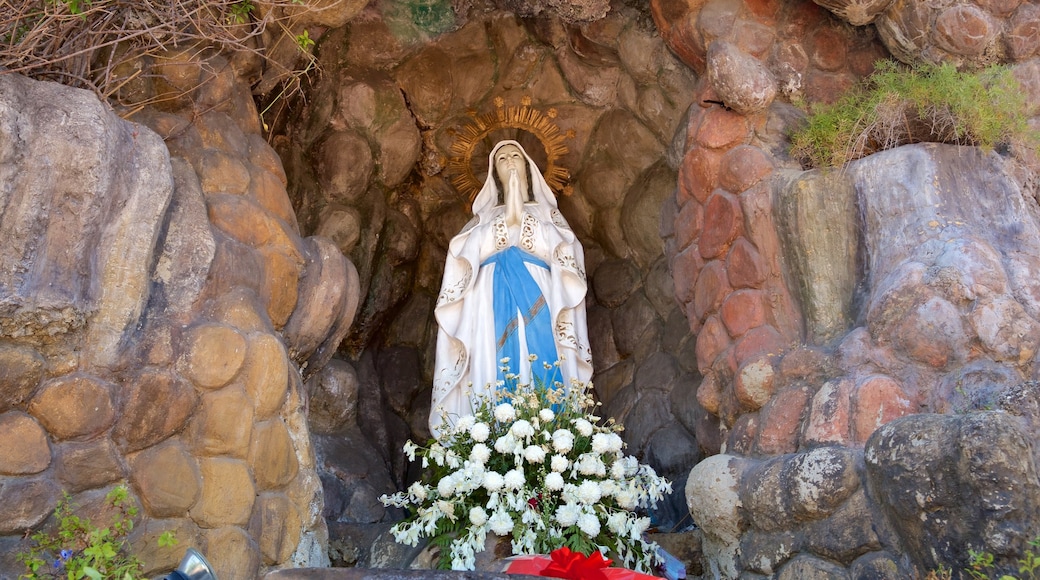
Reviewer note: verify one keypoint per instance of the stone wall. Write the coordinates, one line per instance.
(159, 304)
(831, 304)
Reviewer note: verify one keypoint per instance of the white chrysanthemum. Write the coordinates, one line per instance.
(493, 481)
(500, 523)
(418, 491)
(505, 413)
(589, 492)
(554, 481)
(563, 440)
(617, 469)
(480, 454)
(506, 444)
(534, 454)
(567, 514)
(480, 432)
(608, 487)
(601, 443)
(617, 522)
(589, 524)
(514, 479)
(477, 516)
(463, 424)
(559, 463)
(616, 443)
(522, 429)
(590, 464)
(639, 525)
(546, 415)
(446, 486)
(626, 499)
(583, 427)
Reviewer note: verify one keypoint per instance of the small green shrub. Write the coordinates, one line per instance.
(899, 105)
(79, 549)
(981, 564)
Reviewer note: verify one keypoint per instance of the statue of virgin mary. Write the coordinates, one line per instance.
(514, 290)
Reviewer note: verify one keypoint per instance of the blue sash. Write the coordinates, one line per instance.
(516, 293)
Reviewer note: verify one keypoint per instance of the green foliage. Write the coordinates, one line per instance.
(304, 41)
(899, 105)
(239, 11)
(79, 549)
(981, 564)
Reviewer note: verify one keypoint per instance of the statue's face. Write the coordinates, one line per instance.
(510, 158)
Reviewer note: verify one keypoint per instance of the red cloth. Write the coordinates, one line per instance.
(574, 563)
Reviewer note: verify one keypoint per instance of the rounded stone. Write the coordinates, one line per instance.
(343, 227)
(711, 342)
(214, 354)
(74, 406)
(689, 223)
(239, 554)
(723, 222)
(743, 310)
(820, 481)
(721, 128)
(745, 266)
(223, 424)
(279, 524)
(614, 281)
(157, 406)
(25, 445)
(742, 81)
(266, 374)
(963, 29)
(714, 501)
(167, 479)
(344, 166)
(227, 494)
(25, 503)
(269, 191)
(281, 282)
(1023, 34)
(686, 269)
(877, 400)
(21, 370)
(220, 172)
(88, 465)
(334, 397)
(698, 174)
(272, 455)
(828, 49)
(244, 220)
(711, 289)
(755, 383)
(742, 167)
(762, 340)
(709, 394)
(781, 419)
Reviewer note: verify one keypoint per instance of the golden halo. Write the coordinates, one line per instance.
(524, 117)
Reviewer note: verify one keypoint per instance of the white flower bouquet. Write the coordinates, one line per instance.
(533, 463)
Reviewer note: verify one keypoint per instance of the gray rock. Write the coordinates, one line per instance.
(641, 212)
(946, 482)
(188, 246)
(614, 281)
(765, 552)
(847, 534)
(333, 396)
(78, 239)
(631, 323)
(806, 567)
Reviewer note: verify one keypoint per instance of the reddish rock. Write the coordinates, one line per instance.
(1023, 34)
(877, 400)
(688, 224)
(742, 167)
(828, 49)
(25, 445)
(723, 222)
(963, 29)
(711, 342)
(721, 128)
(755, 383)
(754, 38)
(827, 87)
(711, 288)
(756, 203)
(781, 420)
(686, 41)
(74, 406)
(744, 310)
(709, 394)
(698, 174)
(764, 340)
(829, 413)
(745, 267)
(932, 333)
(806, 363)
(686, 267)
(741, 439)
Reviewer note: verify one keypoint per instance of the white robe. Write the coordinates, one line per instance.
(467, 361)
